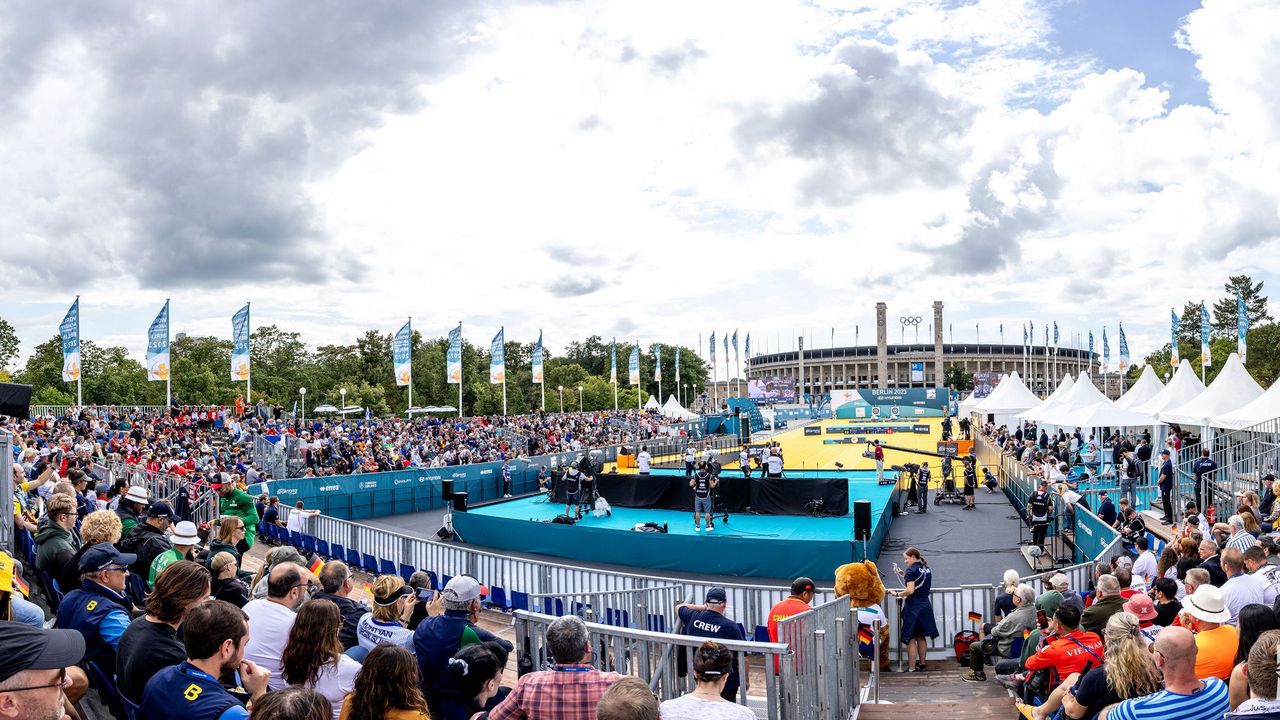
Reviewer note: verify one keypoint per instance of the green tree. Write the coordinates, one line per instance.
(1263, 357)
(8, 344)
(957, 378)
(1189, 325)
(1255, 303)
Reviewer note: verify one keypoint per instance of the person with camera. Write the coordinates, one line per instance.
(703, 483)
(996, 640)
(1068, 651)
(439, 637)
(571, 483)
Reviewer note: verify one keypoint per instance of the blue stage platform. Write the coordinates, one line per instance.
(764, 546)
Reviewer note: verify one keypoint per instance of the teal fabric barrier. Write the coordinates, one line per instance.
(1092, 535)
(371, 495)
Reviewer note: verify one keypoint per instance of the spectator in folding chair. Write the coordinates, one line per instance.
(393, 603)
(100, 609)
(997, 640)
(19, 608)
(336, 584)
(226, 585)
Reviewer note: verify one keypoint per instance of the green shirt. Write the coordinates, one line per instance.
(240, 504)
(162, 561)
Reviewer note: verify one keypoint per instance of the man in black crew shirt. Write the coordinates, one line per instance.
(708, 621)
(703, 482)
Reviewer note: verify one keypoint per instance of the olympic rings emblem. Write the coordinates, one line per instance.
(916, 320)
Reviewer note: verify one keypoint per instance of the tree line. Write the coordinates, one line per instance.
(283, 363)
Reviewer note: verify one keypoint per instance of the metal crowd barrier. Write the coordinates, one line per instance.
(61, 410)
(649, 656)
(520, 578)
(648, 608)
(824, 650)
(6, 497)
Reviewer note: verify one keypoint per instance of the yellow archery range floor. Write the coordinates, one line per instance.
(800, 451)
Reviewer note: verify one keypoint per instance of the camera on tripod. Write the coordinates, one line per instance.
(912, 468)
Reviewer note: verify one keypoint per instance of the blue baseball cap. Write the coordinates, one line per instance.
(104, 555)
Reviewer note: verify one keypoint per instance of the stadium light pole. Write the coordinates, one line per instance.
(303, 392)
(579, 398)
(561, 389)
(343, 393)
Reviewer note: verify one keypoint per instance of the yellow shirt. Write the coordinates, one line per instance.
(1216, 652)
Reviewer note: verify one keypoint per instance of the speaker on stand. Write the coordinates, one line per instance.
(862, 524)
(447, 495)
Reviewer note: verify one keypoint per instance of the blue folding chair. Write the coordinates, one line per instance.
(498, 598)
(519, 600)
(295, 538)
(353, 559)
(369, 562)
(336, 552)
(106, 684)
(387, 567)
(761, 634)
(322, 547)
(309, 543)
(406, 571)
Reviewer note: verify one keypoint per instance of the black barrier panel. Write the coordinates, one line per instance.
(768, 496)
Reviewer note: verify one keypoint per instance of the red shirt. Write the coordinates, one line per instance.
(781, 611)
(1065, 655)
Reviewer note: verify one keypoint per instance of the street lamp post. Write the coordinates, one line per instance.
(561, 389)
(579, 398)
(303, 392)
(343, 393)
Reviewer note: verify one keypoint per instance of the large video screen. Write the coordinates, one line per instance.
(772, 389)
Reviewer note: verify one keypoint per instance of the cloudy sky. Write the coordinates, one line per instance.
(652, 170)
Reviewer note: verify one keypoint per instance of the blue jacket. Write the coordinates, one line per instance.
(185, 692)
(101, 616)
(438, 638)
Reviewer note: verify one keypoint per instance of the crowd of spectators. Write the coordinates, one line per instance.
(1189, 632)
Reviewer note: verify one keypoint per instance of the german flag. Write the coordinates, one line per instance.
(316, 564)
(21, 586)
(367, 588)
(1026, 633)
(864, 636)
(976, 617)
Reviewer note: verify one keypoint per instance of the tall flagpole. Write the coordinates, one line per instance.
(639, 393)
(503, 330)
(248, 378)
(544, 373)
(460, 354)
(79, 343)
(168, 377)
(410, 361)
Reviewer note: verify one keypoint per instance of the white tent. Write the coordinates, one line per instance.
(1087, 407)
(1054, 400)
(673, 409)
(1184, 387)
(1147, 387)
(1263, 408)
(968, 405)
(1230, 391)
(1009, 398)
(652, 404)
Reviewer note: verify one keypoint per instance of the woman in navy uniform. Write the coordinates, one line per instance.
(917, 611)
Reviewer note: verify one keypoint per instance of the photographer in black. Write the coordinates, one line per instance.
(922, 487)
(703, 482)
(1039, 508)
(970, 481)
(571, 483)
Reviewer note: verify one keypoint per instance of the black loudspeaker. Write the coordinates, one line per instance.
(15, 400)
(460, 501)
(446, 489)
(861, 519)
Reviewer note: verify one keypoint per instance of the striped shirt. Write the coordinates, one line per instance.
(1208, 703)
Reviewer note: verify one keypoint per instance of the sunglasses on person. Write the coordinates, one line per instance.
(63, 682)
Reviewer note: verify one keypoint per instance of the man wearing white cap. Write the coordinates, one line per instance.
(1204, 612)
(132, 504)
(183, 538)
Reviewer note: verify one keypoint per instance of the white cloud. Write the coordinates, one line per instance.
(657, 169)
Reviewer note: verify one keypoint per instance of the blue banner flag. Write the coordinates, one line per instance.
(1124, 350)
(726, 349)
(240, 344)
(70, 332)
(1242, 326)
(613, 363)
(713, 349)
(735, 347)
(453, 357)
(1090, 343)
(1206, 359)
(1175, 323)
(537, 361)
(633, 367)
(1024, 336)
(1106, 351)
(158, 346)
(402, 355)
(498, 359)
(746, 347)
(657, 362)
(1055, 333)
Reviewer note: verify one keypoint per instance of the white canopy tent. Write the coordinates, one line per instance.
(652, 404)
(1147, 387)
(1263, 408)
(1182, 388)
(1089, 408)
(968, 404)
(1230, 391)
(1055, 399)
(673, 409)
